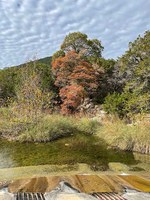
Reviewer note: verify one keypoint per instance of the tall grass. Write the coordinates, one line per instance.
(43, 128)
(130, 137)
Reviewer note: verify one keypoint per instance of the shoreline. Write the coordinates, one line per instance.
(143, 149)
(7, 174)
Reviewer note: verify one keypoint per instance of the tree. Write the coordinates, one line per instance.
(127, 66)
(105, 68)
(131, 79)
(31, 100)
(9, 79)
(62, 68)
(73, 69)
(74, 63)
(80, 43)
(73, 72)
(72, 97)
(57, 54)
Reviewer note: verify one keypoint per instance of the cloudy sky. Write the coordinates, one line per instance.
(36, 28)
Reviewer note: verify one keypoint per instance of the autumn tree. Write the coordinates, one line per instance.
(73, 68)
(75, 78)
(72, 96)
(57, 54)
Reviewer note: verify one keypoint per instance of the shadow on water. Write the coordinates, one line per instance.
(75, 149)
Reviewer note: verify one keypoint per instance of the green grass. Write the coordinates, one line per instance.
(44, 128)
(49, 128)
(135, 137)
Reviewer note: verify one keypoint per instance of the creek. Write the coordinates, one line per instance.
(72, 150)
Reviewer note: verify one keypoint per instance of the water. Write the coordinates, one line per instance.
(72, 150)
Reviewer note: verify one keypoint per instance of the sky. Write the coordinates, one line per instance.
(32, 29)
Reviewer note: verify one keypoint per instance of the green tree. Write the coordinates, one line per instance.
(131, 79)
(105, 69)
(80, 43)
(127, 66)
(10, 78)
(57, 54)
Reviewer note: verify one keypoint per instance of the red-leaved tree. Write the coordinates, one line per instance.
(72, 96)
(75, 78)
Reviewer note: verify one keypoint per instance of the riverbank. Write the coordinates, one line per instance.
(127, 137)
(9, 174)
(41, 127)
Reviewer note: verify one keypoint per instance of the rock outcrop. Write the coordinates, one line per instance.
(89, 108)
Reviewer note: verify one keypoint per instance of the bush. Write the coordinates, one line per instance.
(49, 128)
(127, 104)
(44, 127)
(115, 104)
(88, 126)
(52, 127)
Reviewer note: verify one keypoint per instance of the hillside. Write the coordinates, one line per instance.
(10, 78)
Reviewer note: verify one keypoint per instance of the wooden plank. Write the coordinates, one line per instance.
(82, 183)
(137, 182)
(115, 187)
(93, 183)
(39, 184)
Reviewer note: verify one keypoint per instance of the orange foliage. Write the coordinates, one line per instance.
(72, 97)
(63, 66)
(75, 77)
(85, 76)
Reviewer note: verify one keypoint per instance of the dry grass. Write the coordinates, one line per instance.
(43, 127)
(132, 137)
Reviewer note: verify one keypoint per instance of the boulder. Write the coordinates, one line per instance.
(6, 196)
(117, 166)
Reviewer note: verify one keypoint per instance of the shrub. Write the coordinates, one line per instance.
(127, 104)
(49, 128)
(115, 104)
(88, 126)
(52, 127)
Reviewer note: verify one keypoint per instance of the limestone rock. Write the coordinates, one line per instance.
(135, 195)
(6, 196)
(116, 166)
(70, 196)
(89, 107)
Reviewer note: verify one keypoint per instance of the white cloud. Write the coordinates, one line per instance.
(29, 27)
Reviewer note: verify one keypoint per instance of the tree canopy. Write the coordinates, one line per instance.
(131, 78)
(72, 72)
(80, 43)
